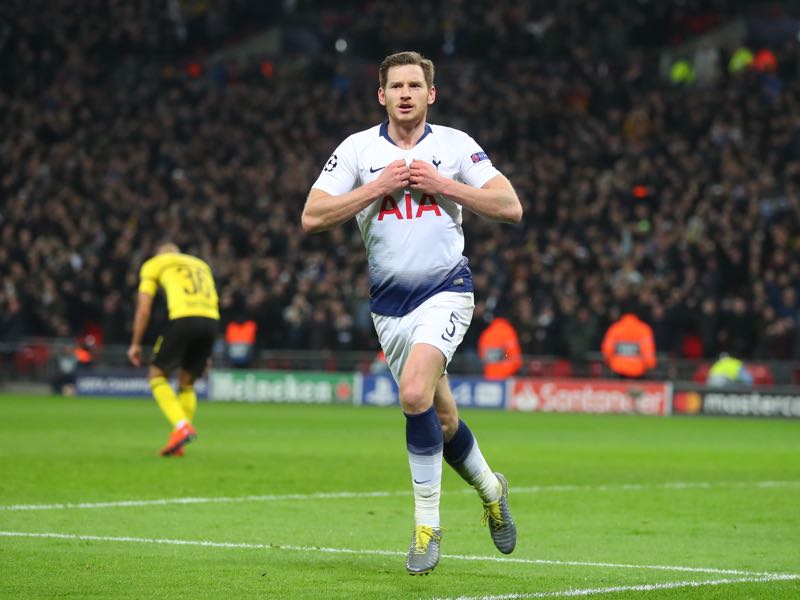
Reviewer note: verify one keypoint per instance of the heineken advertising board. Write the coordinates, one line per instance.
(281, 386)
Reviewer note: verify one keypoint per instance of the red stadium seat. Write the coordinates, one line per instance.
(561, 368)
(31, 357)
(535, 368)
(701, 373)
(691, 346)
(762, 374)
(596, 369)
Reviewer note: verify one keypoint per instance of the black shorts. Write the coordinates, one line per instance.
(187, 343)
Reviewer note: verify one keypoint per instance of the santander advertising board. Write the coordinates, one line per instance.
(589, 396)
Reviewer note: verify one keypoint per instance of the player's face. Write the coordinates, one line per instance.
(406, 95)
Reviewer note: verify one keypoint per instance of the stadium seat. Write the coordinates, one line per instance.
(762, 374)
(561, 368)
(691, 346)
(596, 369)
(701, 372)
(32, 357)
(535, 368)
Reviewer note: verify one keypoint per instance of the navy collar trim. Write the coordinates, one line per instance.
(384, 132)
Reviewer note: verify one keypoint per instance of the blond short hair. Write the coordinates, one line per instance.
(406, 58)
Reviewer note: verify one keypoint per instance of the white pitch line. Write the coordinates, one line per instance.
(669, 485)
(647, 587)
(368, 552)
(201, 500)
(540, 489)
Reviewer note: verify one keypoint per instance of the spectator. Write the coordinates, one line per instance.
(499, 349)
(628, 346)
(65, 379)
(727, 371)
(579, 330)
(685, 194)
(240, 341)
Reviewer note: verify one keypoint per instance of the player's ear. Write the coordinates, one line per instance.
(381, 96)
(432, 95)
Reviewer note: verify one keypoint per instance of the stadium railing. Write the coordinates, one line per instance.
(41, 360)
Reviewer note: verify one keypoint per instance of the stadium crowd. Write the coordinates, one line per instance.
(682, 197)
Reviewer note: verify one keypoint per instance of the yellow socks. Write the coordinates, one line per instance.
(188, 401)
(168, 401)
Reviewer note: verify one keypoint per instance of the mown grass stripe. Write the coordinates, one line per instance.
(371, 552)
(672, 485)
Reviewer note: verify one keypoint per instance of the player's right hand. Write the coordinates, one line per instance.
(135, 355)
(395, 176)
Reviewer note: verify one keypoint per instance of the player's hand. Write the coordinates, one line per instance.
(395, 176)
(426, 178)
(135, 354)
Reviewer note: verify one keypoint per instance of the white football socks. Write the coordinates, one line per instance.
(476, 472)
(426, 479)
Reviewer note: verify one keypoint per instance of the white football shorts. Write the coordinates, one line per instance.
(441, 321)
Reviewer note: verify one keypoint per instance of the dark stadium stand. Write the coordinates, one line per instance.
(126, 126)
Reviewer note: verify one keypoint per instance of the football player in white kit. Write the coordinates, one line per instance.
(406, 182)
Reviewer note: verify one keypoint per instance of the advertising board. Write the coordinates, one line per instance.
(469, 392)
(590, 396)
(129, 383)
(746, 402)
(304, 387)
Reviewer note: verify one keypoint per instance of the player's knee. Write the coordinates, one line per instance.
(185, 379)
(414, 399)
(155, 373)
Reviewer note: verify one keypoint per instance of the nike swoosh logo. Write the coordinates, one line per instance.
(371, 170)
(421, 482)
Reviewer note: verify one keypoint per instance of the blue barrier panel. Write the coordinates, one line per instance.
(469, 392)
(124, 383)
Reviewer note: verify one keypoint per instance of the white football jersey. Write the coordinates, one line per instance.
(414, 241)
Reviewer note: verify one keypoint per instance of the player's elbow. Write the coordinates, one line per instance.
(511, 213)
(514, 215)
(313, 218)
(311, 224)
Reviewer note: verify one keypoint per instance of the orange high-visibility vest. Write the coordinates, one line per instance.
(241, 333)
(83, 355)
(629, 347)
(499, 349)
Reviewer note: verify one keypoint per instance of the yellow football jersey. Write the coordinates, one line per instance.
(187, 282)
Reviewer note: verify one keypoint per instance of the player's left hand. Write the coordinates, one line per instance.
(426, 178)
(135, 355)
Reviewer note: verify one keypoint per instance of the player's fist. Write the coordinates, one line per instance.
(135, 355)
(395, 176)
(426, 178)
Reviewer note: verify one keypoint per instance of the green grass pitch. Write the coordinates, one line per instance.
(314, 502)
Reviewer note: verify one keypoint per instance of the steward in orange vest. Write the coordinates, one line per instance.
(240, 338)
(629, 347)
(499, 349)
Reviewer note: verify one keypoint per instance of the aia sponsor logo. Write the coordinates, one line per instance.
(408, 208)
